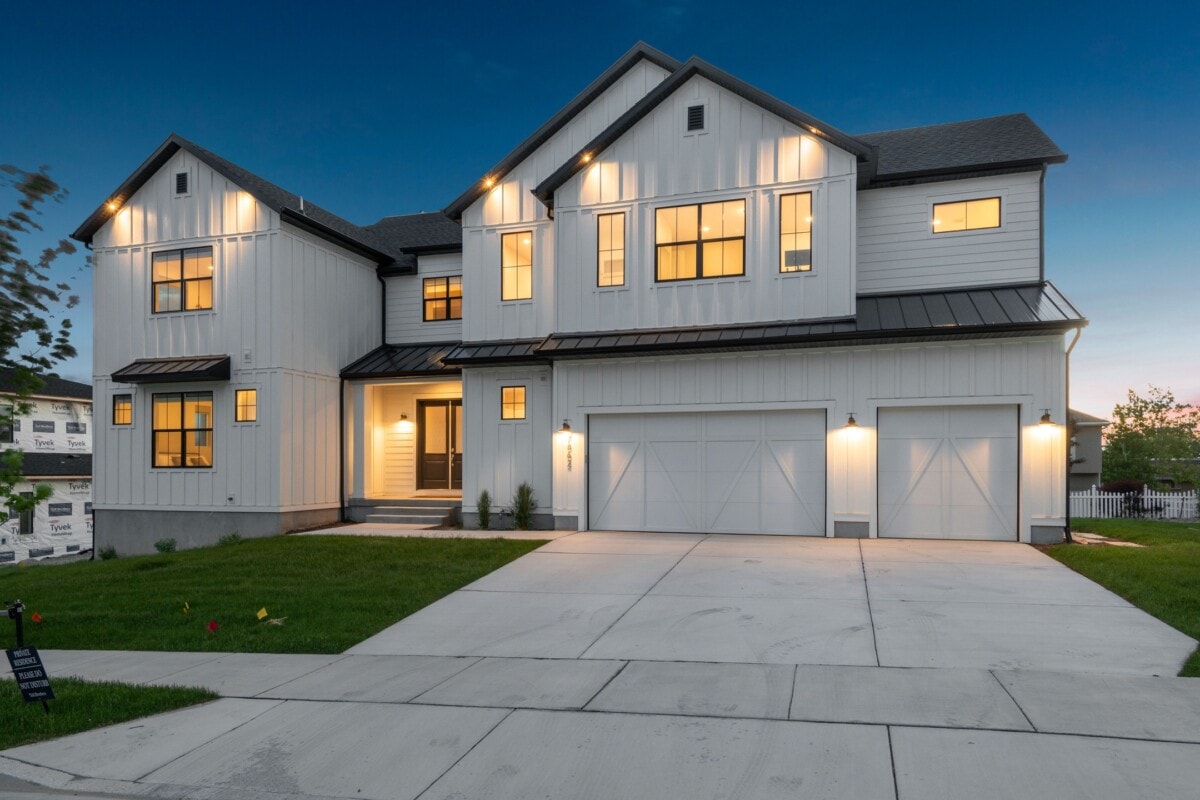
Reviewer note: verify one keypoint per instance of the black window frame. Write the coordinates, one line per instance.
(24, 518)
(117, 399)
(238, 405)
(810, 268)
(699, 242)
(183, 430)
(446, 298)
(8, 428)
(183, 281)
(600, 250)
(529, 266)
(966, 229)
(524, 403)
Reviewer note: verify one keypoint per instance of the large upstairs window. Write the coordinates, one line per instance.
(795, 232)
(707, 240)
(182, 280)
(610, 250)
(968, 215)
(516, 266)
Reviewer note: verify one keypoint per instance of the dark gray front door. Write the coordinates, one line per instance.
(439, 444)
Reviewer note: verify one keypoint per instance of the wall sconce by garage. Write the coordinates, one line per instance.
(565, 432)
(1045, 420)
(851, 422)
(566, 426)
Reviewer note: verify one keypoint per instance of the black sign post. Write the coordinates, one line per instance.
(27, 665)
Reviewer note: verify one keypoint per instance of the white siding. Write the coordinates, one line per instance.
(289, 309)
(898, 251)
(501, 454)
(1028, 373)
(405, 310)
(510, 206)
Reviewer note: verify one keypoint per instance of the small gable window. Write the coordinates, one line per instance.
(968, 215)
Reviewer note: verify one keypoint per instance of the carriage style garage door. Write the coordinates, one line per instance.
(948, 472)
(721, 472)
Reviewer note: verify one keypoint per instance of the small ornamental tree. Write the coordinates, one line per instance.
(34, 334)
(1152, 438)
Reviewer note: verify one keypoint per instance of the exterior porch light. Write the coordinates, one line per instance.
(404, 423)
(1045, 420)
(566, 426)
(851, 422)
(112, 205)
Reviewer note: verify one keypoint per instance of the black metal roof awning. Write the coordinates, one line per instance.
(404, 361)
(522, 351)
(174, 370)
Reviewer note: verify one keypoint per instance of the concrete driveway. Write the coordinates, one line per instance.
(611, 665)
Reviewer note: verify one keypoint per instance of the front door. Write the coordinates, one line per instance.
(439, 444)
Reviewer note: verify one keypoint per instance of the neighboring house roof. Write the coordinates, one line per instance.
(1080, 418)
(637, 53)
(1008, 142)
(692, 67)
(53, 387)
(403, 360)
(970, 313)
(56, 465)
(290, 207)
(426, 232)
(174, 370)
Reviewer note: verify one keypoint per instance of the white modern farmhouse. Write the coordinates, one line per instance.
(680, 305)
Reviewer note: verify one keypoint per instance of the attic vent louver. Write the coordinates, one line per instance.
(181, 183)
(695, 118)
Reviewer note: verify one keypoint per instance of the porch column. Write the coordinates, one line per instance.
(358, 423)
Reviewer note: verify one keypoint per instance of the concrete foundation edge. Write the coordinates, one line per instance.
(135, 532)
(504, 522)
(851, 530)
(1046, 534)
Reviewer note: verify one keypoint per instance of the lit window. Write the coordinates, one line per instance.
(512, 402)
(795, 232)
(183, 430)
(6, 424)
(443, 298)
(701, 241)
(122, 409)
(182, 280)
(610, 250)
(969, 215)
(516, 266)
(245, 405)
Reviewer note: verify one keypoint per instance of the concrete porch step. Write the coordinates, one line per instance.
(407, 519)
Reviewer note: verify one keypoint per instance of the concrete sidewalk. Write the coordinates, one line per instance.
(620, 665)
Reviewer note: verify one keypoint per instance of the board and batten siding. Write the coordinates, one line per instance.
(898, 251)
(1029, 373)
(509, 206)
(290, 310)
(499, 454)
(745, 153)
(405, 302)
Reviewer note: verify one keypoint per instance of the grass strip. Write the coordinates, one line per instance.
(1162, 577)
(322, 594)
(82, 705)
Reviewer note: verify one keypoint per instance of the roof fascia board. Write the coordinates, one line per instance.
(161, 155)
(637, 53)
(310, 225)
(965, 171)
(695, 66)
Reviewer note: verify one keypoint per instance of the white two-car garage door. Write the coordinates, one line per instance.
(720, 472)
(948, 472)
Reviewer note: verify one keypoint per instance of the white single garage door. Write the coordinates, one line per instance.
(948, 472)
(720, 472)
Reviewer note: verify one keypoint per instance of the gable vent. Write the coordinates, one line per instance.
(695, 120)
(181, 183)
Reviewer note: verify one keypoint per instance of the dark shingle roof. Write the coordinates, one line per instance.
(57, 465)
(1080, 418)
(957, 147)
(403, 360)
(416, 233)
(984, 312)
(53, 387)
(637, 53)
(288, 205)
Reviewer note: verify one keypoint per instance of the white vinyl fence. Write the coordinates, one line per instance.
(1146, 503)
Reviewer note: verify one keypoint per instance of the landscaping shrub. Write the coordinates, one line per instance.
(230, 538)
(1122, 486)
(165, 545)
(523, 506)
(107, 553)
(484, 508)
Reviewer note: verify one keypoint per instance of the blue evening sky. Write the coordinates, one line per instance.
(376, 109)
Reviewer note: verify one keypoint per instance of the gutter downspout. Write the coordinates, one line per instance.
(1067, 399)
(341, 450)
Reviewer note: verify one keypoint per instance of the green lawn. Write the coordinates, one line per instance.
(1162, 578)
(327, 592)
(80, 706)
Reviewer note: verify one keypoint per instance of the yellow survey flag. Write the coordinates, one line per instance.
(262, 613)
(186, 607)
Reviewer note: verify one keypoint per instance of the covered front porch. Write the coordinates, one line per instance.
(404, 436)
